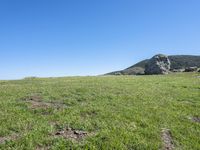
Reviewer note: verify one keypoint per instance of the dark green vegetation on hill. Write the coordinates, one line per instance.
(184, 61)
(177, 62)
(113, 112)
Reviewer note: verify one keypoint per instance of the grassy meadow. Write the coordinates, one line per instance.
(103, 112)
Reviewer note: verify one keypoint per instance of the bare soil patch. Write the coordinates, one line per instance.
(196, 119)
(11, 137)
(72, 134)
(36, 102)
(35, 105)
(167, 139)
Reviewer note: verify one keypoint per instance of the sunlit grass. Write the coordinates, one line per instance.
(123, 112)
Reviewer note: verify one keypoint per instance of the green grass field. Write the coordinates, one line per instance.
(105, 112)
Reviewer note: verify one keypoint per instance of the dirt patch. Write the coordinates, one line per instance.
(70, 133)
(36, 102)
(167, 139)
(9, 138)
(33, 97)
(196, 119)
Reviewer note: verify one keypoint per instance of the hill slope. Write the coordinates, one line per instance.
(115, 112)
(183, 61)
(177, 62)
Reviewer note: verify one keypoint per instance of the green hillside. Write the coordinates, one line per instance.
(105, 112)
(177, 62)
(184, 61)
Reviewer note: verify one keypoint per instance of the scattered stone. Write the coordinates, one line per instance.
(159, 64)
(72, 134)
(191, 69)
(196, 119)
(167, 139)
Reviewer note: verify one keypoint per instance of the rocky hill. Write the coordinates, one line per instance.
(178, 62)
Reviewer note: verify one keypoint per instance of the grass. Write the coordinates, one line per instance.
(121, 112)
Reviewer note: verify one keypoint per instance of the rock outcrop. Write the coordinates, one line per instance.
(191, 69)
(178, 63)
(158, 64)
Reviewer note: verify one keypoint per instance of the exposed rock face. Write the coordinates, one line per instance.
(159, 64)
(191, 69)
(178, 63)
(177, 70)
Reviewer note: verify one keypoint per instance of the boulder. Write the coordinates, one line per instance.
(158, 64)
(191, 69)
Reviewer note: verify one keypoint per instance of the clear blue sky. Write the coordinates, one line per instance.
(90, 37)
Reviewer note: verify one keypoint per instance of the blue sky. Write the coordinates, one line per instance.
(90, 37)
